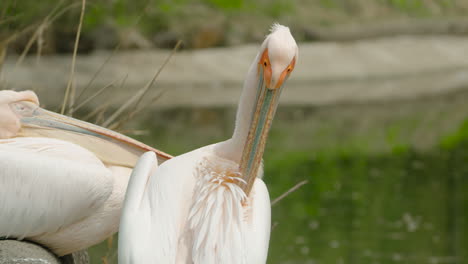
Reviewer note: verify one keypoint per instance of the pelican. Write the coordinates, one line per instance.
(62, 181)
(210, 205)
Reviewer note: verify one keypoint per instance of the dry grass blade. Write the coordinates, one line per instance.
(117, 113)
(40, 41)
(140, 94)
(3, 49)
(75, 50)
(273, 225)
(110, 241)
(96, 112)
(174, 50)
(98, 72)
(63, 11)
(151, 101)
(37, 35)
(105, 259)
(100, 116)
(49, 18)
(27, 48)
(87, 100)
(8, 19)
(119, 124)
(72, 97)
(288, 192)
(112, 54)
(13, 36)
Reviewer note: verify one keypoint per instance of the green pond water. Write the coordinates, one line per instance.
(372, 195)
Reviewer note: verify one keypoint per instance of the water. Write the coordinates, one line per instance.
(396, 208)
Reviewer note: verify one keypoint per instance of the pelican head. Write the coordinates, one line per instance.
(278, 57)
(276, 60)
(22, 116)
(10, 106)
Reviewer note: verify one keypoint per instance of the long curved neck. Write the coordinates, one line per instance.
(232, 148)
(246, 106)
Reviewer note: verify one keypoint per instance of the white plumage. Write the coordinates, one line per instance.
(210, 206)
(55, 192)
(58, 194)
(189, 210)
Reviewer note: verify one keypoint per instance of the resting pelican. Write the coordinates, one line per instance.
(62, 181)
(210, 205)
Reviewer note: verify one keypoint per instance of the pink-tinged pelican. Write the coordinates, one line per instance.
(210, 206)
(62, 181)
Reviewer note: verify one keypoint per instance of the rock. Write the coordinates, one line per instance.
(131, 38)
(208, 36)
(354, 32)
(105, 36)
(194, 30)
(23, 252)
(326, 73)
(80, 257)
(45, 41)
(65, 41)
(166, 40)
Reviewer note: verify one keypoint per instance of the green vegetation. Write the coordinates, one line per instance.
(230, 22)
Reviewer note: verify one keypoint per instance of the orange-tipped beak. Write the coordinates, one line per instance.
(265, 108)
(264, 63)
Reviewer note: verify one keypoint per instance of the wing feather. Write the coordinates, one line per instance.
(47, 184)
(257, 225)
(134, 236)
(153, 220)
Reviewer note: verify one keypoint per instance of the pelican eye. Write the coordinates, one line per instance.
(19, 107)
(22, 108)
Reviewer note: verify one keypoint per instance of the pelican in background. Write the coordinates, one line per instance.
(210, 206)
(62, 181)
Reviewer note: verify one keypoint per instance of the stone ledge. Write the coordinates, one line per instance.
(327, 73)
(22, 252)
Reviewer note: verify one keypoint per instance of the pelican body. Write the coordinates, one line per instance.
(210, 205)
(62, 181)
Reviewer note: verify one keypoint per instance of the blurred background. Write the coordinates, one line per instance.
(374, 117)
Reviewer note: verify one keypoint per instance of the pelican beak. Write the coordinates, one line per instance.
(265, 107)
(111, 147)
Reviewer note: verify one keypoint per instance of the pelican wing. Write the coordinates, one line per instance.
(156, 203)
(47, 184)
(257, 224)
(134, 238)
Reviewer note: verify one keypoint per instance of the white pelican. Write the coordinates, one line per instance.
(210, 206)
(62, 181)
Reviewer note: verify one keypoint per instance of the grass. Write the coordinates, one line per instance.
(70, 86)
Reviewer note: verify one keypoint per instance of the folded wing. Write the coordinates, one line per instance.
(48, 184)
